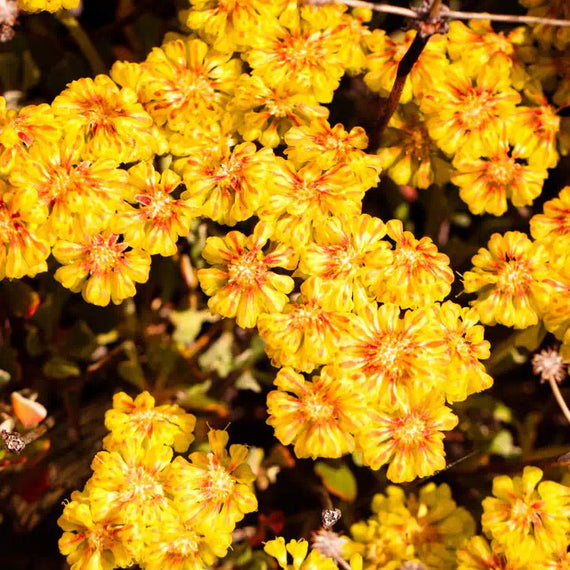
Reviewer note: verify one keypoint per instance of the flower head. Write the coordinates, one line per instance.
(409, 438)
(241, 284)
(320, 417)
(108, 122)
(101, 267)
(467, 114)
(418, 275)
(298, 550)
(141, 421)
(508, 280)
(160, 218)
(347, 254)
(214, 487)
(97, 544)
(307, 333)
(526, 518)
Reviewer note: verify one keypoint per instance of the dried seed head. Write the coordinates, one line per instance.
(328, 543)
(548, 364)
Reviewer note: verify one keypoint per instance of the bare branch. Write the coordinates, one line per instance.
(451, 14)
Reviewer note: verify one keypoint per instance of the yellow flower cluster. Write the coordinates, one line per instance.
(141, 507)
(424, 529)
(482, 114)
(237, 110)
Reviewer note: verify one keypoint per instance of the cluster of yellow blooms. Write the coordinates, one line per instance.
(141, 506)
(526, 525)
(236, 107)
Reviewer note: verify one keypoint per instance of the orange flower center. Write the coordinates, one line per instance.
(412, 430)
(247, 270)
(104, 255)
(501, 170)
(476, 108)
(514, 278)
(220, 482)
(316, 409)
(141, 486)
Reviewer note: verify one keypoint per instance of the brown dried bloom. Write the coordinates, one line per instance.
(549, 365)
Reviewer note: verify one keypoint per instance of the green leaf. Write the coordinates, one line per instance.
(503, 445)
(218, 358)
(187, 325)
(81, 342)
(338, 480)
(60, 367)
(132, 373)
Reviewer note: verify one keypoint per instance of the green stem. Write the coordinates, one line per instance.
(83, 41)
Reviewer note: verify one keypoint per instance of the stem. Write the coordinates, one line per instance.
(450, 14)
(83, 41)
(404, 68)
(559, 398)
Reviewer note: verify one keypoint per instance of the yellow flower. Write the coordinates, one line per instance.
(347, 254)
(305, 334)
(269, 112)
(214, 487)
(469, 115)
(534, 131)
(69, 188)
(465, 346)
(298, 549)
(179, 545)
(385, 55)
(96, 545)
(240, 284)
(320, 417)
(507, 278)
(497, 174)
(477, 554)
(182, 82)
(555, 221)
(408, 153)
(18, 130)
(418, 275)
(298, 202)
(22, 251)
(409, 438)
(327, 146)
(100, 267)
(159, 219)
(558, 37)
(228, 186)
(149, 425)
(301, 54)
(395, 355)
(129, 485)
(526, 518)
(47, 5)
(229, 24)
(108, 122)
(478, 45)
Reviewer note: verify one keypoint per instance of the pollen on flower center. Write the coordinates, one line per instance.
(104, 255)
(316, 409)
(142, 486)
(159, 207)
(96, 538)
(246, 270)
(522, 512)
(390, 352)
(514, 277)
(502, 171)
(221, 483)
(475, 112)
(412, 430)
